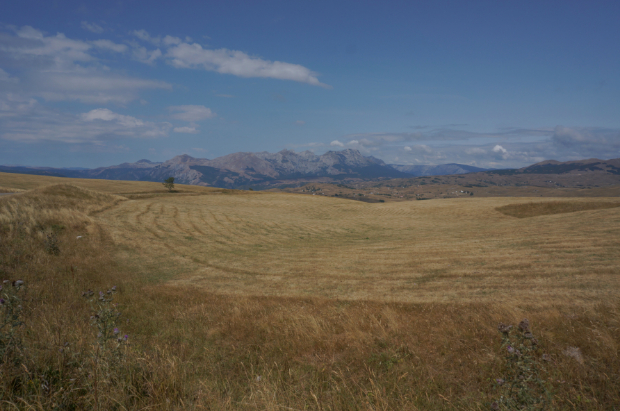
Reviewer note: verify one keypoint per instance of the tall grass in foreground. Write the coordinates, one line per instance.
(189, 349)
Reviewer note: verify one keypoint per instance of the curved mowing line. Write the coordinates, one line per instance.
(219, 237)
(146, 210)
(210, 265)
(176, 218)
(233, 236)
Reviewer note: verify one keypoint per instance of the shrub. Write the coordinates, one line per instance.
(10, 321)
(522, 386)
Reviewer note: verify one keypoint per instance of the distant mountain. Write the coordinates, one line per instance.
(290, 169)
(240, 170)
(265, 170)
(569, 167)
(39, 171)
(439, 170)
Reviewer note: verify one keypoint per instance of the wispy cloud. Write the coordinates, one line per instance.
(110, 45)
(191, 113)
(30, 122)
(4, 76)
(92, 27)
(183, 53)
(189, 130)
(238, 63)
(57, 68)
(145, 36)
(145, 56)
(587, 139)
(507, 147)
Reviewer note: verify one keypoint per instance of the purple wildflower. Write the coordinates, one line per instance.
(500, 381)
(510, 349)
(116, 331)
(126, 337)
(1, 301)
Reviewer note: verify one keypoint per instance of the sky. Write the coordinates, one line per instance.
(485, 83)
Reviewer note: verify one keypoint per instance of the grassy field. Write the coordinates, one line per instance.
(241, 300)
(435, 251)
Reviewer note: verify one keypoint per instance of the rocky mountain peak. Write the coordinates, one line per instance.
(183, 158)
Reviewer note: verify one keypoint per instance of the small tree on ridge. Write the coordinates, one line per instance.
(169, 183)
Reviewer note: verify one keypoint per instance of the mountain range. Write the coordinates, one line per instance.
(440, 170)
(258, 170)
(290, 169)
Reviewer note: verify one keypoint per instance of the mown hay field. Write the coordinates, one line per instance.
(448, 251)
(270, 301)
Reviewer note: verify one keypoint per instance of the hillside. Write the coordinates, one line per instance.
(586, 178)
(223, 299)
(439, 170)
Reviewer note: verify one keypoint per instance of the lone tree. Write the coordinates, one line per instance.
(169, 183)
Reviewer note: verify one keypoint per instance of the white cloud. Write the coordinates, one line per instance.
(36, 49)
(89, 86)
(34, 123)
(142, 55)
(509, 147)
(109, 45)
(190, 130)
(14, 105)
(475, 151)
(61, 69)
(423, 148)
(4, 76)
(108, 115)
(585, 136)
(353, 142)
(145, 36)
(191, 113)
(336, 143)
(170, 40)
(92, 27)
(238, 63)
(407, 148)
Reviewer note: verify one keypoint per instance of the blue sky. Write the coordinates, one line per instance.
(486, 83)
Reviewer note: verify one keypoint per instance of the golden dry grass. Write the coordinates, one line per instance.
(19, 182)
(277, 301)
(425, 251)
